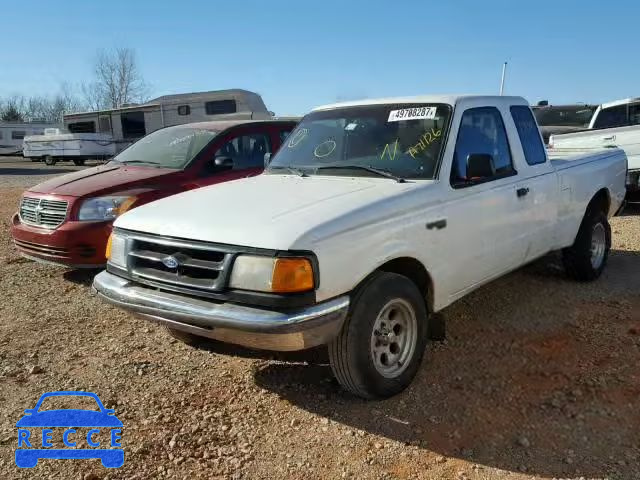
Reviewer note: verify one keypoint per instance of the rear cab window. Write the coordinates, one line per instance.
(612, 117)
(534, 152)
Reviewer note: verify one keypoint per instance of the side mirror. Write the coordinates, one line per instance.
(479, 166)
(29, 411)
(225, 163)
(267, 159)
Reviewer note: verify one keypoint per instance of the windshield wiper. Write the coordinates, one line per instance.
(294, 170)
(129, 162)
(368, 168)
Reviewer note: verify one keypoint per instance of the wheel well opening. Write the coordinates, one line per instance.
(414, 271)
(600, 202)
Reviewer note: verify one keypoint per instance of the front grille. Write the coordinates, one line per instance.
(189, 265)
(36, 248)
(42, 212)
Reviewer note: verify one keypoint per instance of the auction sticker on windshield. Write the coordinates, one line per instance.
(418, 113)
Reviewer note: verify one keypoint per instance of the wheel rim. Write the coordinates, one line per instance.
(394, 338)
(598, 245)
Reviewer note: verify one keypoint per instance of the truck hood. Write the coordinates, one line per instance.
(270, 211)
(101, 179)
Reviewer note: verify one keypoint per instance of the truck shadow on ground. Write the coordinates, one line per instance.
(631, 209)
(538, 374)
(81, 276)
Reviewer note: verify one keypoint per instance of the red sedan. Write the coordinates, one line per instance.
(67, 220)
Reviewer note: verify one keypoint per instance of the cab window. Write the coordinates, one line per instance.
(529, 134)
(481, 133)
(612, 117)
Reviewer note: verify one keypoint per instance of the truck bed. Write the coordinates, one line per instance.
(563, 158)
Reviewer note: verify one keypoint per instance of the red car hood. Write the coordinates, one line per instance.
(99, 179)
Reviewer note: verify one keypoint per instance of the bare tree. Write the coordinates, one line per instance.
(118, 80)
(13, 109)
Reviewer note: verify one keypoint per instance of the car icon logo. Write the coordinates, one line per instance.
(55, 433)
(170, 262)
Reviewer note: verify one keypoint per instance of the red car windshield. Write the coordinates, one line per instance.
(171, 147)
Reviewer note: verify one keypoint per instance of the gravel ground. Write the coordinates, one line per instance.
(538, 379)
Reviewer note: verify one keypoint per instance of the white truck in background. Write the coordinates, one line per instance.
(614, 124)
(371, 217)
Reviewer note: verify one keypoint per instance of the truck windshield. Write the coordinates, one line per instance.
(571, 116)
(171, 147)
(403, 141)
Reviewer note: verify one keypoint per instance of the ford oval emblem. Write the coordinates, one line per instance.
(170, 262)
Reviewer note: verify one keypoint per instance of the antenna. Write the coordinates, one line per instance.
(504, 73)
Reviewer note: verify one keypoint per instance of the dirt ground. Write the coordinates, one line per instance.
(539, 378)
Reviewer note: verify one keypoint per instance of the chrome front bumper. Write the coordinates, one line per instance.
(247, 326)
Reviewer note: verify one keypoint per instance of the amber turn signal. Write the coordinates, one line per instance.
(107, 253)
(292, 275)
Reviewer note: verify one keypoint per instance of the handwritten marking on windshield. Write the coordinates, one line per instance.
(389, 151)
(325, 149)
(425, 140)
(298, 137)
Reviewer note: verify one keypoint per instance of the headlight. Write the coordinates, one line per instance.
(116, 253)
(105, 208)
(267, 274)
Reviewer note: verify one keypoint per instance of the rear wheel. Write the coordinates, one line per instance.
(49, 160)
(381, 344)
(78, 162)
(586, 258)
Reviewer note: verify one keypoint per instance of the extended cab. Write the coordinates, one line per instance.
(67, 220)
(614, 124)
(371, 217)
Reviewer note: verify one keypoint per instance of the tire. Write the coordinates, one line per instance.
(585, 260)
(78, 162)
(383, 301)
(49, 160)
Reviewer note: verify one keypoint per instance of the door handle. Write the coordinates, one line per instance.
(521, 192)
(612, 137)
(437, 224)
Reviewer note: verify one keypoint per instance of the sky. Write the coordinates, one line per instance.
(300, 54)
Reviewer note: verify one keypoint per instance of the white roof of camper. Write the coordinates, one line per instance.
(447, 99)
(175, 98)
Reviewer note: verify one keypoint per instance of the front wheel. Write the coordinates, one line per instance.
(586, 258)
(380, 347)
(49, 160)
(78, 162)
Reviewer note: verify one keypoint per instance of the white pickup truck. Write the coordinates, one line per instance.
(614, 124)
(372, 216)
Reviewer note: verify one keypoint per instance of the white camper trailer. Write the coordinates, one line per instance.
(57, 145)
(12, 135)
(105, 133)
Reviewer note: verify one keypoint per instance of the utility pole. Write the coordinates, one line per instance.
(504, 72)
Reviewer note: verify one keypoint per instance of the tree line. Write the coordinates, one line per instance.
(116, 81)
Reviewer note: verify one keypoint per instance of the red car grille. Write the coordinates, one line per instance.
(29, 247)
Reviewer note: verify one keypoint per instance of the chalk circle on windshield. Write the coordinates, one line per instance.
(325, 149)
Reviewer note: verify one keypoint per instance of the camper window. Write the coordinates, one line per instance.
(82, 127)
(133, 124)
(184, 110)
(18, 134)
(219, 107)
(104, 123)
